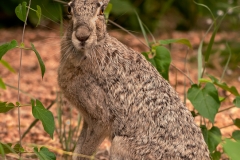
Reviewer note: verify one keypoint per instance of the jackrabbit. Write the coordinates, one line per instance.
(121, 95)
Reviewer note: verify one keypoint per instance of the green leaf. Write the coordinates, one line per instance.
(44, 115)
(44, 154)
(227, 63)
(107, 11)
(6, 47)
(180, 41)
(5, 107)
(200, 4)
(40, 61)
(236, 122)
(143, 30)
(224, 86)
(205, 100)
(209, 48)
(232, 149)
(7, 148)
(2, 84)
(18, 148)
(236, 135)
(199, 57)
(205, 133)
(161, 60)
(7, 65)
(212, 137)
(211, 42)
(193, 114)
(21, 11)
(39, 14)
(216, 155)
(236, 101)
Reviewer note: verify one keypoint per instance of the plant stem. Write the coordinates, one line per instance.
(227, 126)
(117, 25)
(23, 48)
(226, 109)
(24, 92)
(19, 76)
(183, 73)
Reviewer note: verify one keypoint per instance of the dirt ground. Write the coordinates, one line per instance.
(46, 90)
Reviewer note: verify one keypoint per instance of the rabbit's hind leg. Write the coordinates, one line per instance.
(120, 149)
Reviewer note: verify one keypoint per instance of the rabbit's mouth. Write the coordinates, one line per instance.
(83, 43)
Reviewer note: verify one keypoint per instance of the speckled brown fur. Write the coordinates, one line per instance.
(122, 96)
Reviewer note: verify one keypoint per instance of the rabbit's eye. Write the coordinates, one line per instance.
(69, 10)
(101, 11)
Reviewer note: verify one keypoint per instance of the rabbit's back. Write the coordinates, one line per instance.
(118, 87)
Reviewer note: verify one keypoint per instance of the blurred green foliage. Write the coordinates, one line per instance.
(50, 9)
(151, 12)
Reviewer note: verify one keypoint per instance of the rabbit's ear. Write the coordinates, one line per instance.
(105, 1)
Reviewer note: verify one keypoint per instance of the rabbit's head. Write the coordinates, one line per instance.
(87, 27)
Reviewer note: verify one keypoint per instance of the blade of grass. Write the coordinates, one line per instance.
(117, 25)
(200, 4)
(216, 27)
(143, 30)
(23, 92)
(199, 57)
(226, 66)
(154, 40)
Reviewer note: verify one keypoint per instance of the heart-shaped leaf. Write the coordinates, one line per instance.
(44, 154)
(21, 11)
(6, 47)
(212, 137)
(205, 100)
(40, 61)
(44, 115)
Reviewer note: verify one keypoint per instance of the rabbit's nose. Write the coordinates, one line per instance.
(82, 33)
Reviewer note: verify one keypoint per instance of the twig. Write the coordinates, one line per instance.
(59, 1)
(226, 109)
(128, 32)
(24, 92)
(19, 76)
(183, 73)
(227, 126)
(36, 120)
